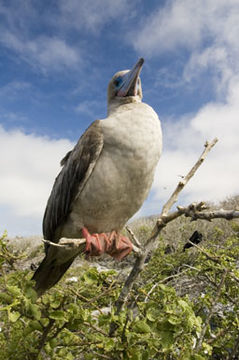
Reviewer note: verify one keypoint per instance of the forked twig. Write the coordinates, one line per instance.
(174, 197)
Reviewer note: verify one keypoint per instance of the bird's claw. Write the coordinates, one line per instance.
(112, 243)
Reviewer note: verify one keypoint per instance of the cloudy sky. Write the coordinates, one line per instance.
(56, 58)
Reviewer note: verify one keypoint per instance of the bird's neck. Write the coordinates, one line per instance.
(116, 104)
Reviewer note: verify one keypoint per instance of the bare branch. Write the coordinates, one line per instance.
(73, 247)
(208, 215)
(66, 243)
(133, 236)
(67, 248)
(174, 197)
(164, 218)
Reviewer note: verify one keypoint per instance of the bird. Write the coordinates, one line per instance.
(195, 238)
(104, 180)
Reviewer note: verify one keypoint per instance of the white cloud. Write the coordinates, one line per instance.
(53, 52)
(43, 52)
(92, 14)
(69, 18)
(169, 27)
(89, 108)
(207, 29)
(29, 165)
(218, 177)
(13, 88)
(18, 32)
(187, 23)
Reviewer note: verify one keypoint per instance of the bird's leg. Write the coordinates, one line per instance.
(112, 243)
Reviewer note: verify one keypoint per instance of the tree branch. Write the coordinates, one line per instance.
(174, 197)
(163, 219)
(69, 248)
(196, 214)
(73, 247)
(133, 237)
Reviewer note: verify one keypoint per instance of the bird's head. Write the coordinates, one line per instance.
(125, 86)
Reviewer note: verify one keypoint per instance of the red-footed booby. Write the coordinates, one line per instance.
(104, 179)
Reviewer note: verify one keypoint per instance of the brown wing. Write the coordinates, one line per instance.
(77, 167)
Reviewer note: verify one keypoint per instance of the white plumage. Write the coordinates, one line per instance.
(106, 177)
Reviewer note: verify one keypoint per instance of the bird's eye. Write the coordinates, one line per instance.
(118, 81)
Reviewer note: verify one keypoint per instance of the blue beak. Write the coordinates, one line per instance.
(129, 84)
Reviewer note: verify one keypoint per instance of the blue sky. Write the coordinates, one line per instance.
(56, 58)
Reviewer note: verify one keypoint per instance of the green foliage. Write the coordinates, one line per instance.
(197, 274)
(180, 309)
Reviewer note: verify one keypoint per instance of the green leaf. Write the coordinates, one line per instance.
(5, 298)
(35, 325)
(57, 315)
(68, 337)
(167, 339)
(141, 327)
(145, 355)
(166, 331)
(109, 344)
(103, 319)
(91, 276)
(162, 287)
(69, 356)
(47, 348)
(73, 308)
(14, 316)
(44, 321)
(55, 303)
(53, 343)
(63, 352)
(136, 356)
(14, 290)
(174, 320)
(30, 293)
(35, 311)
(183, 304)
(153, 314)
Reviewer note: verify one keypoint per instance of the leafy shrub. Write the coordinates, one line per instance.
(184, 307)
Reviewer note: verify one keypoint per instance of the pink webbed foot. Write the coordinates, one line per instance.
(114, 244)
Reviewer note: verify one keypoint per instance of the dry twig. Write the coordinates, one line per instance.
(69, 248)
(174, 197)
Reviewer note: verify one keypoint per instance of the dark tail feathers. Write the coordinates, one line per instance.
(49, 273)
